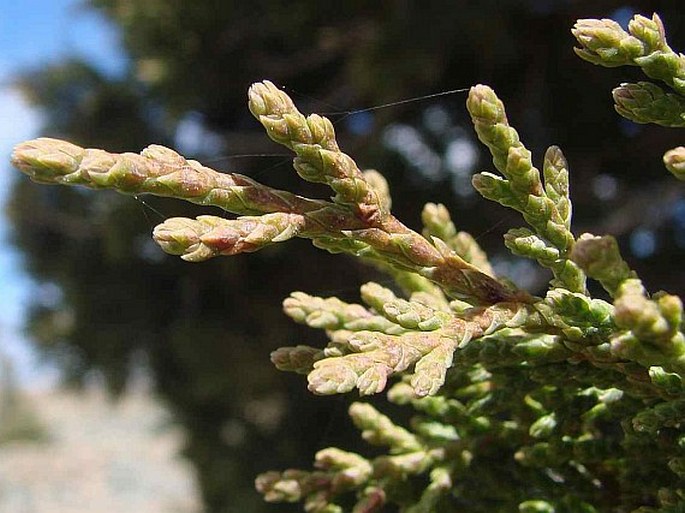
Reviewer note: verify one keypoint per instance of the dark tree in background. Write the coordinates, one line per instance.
(113, 302)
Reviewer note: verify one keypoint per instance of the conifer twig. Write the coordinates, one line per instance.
(357, 222)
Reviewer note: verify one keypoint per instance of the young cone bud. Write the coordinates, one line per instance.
(646, 102)
(674, 160)
(601, 260)
(604, 42)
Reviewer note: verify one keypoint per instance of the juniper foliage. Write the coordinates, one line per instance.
(561, 403)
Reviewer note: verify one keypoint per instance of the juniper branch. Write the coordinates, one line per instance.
(547, 209)
(333, 314)
(654, 336)
(518, 399)
(372, 481)
(604, 42)
(319, 159)
(318, 156)
(159, 171)
(376, 356)
(209, 236)
(335, 227)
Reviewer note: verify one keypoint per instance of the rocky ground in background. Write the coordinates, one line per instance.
(97, 456)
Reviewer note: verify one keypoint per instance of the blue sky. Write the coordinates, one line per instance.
(35, 33)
